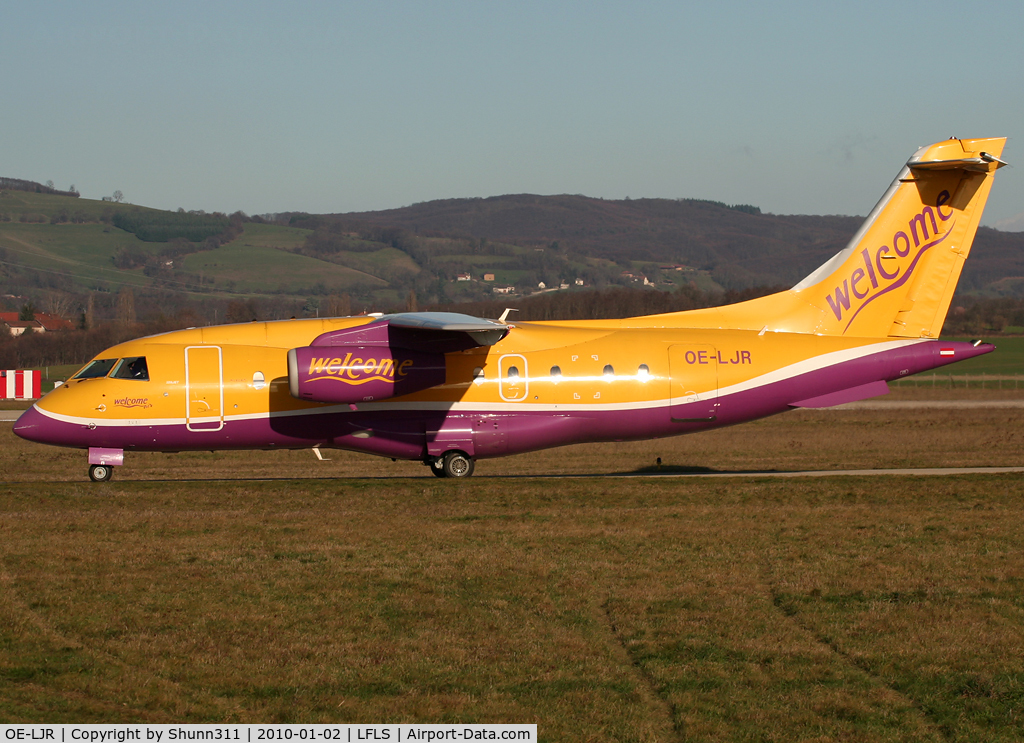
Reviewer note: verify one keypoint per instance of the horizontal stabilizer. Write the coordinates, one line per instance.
(852, 394)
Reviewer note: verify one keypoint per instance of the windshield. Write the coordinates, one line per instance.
(133, 367)
(97, 368)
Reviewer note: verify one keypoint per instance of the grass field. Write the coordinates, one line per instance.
(256, 262)
(377, 262)
(874, 609)
(81, 252)
(257, 268)
(15, 203)
(1008, 358)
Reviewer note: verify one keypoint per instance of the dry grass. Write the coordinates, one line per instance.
(801, 439)
(600, 608)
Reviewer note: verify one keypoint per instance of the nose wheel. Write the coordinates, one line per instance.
(452, 464)
(100, 472)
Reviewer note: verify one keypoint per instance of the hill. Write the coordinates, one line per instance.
(76, 256)
(738, 245)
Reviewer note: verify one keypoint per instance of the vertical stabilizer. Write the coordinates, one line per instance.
(897, 276)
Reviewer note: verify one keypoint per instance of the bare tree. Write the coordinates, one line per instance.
(126, 307)
(118, 197)
(58, 303)
(49, 184)
(339, 306)
(89, 316)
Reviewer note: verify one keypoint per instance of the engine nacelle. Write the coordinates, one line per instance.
(350, 374)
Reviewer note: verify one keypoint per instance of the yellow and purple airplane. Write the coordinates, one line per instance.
(447, 389)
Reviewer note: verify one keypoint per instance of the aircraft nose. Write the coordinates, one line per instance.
(34, 426)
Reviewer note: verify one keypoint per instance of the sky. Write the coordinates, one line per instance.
(798, 108)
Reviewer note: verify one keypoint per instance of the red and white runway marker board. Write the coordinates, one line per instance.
(21, 384)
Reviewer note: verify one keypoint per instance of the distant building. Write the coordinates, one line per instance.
(53, 322)
(504, 289)
(42, 323)
(563, 285)
(579, 282)
(488, 277)
(18, 327)
(542, 285)
(464, 277)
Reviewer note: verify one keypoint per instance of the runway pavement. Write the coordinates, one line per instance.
(933, 404)
(919, 472)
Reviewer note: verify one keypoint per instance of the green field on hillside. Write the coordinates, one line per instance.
(249, 268)
(271, 236)
(16, 203)
(256, 262)
(480, 261)
(382, 263)
(81, 252)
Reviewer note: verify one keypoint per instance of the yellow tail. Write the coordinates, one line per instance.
(897, 275)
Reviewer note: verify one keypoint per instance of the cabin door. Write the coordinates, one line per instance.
(513, 377)
(694, 388)
(204, 388)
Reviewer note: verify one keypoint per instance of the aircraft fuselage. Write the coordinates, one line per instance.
(543, 385)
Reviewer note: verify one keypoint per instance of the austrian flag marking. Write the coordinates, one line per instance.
(945, 352)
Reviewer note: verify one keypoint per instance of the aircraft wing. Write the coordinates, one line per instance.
(438, 332)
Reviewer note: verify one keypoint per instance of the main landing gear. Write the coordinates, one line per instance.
(100, 472)
(452, 464)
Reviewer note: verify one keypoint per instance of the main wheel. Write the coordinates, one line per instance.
(457, 464)
(100, 472)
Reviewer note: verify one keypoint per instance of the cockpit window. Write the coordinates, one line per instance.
(133, 367)
(97, 368)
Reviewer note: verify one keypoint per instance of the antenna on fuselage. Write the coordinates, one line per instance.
(504, 315)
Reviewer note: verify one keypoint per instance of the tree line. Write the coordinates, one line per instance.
(18, 184)
(111, 318)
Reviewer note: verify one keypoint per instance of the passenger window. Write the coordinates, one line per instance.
(513, 372)
(556, 373)
(609, 371)
(133, 367)
(95, 369)
(478, 375)
(643, 373)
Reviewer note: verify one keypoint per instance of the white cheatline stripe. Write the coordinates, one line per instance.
(800, 367)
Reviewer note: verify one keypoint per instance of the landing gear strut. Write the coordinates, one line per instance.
(452, 464)
(100, 472)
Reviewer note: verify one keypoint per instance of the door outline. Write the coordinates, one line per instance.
(502, 379)
(679, 394)
(192, 421)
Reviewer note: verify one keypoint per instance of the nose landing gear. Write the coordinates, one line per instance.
(452, 464)
(102, 462)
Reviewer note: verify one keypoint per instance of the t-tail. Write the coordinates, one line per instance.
(898, 274)
(896, 277)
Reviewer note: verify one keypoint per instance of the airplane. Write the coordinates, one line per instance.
(448, 389)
